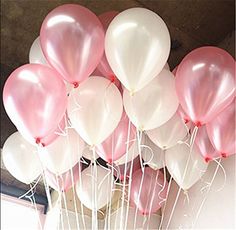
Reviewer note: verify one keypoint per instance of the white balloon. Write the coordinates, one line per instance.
(88, 153)
(102, 183)
(36, 54)
(63, 153)
(137, 46)
(21, 158)
(95, 109)
(153, 105)
(218, 210)
(176, 160)
(142, 222)
(153, 155)
(168, 134)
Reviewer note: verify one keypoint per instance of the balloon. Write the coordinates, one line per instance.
(168, 134)
(183, 115)
(205, 83)
(137, 46)
(152, 155)
(21, 159)
(215, 212)
(102, 183)
(63, 153)
(204, 145)
(95, 109)
(72, 40)
(153, 190)
(35, 99)
(221, 131)
(176, 159)
(104, 66)
(88, 153)
(120, 169)
(142, 222)
(36, 54)
(64, 181)
(153, 105)
(114, 147)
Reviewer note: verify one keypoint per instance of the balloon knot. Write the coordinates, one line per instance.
(207, 159)
(109, 161)
(38, 141)
(112, 78)
(198, 124)
(224, 155)
(76, 84)
(186, 120)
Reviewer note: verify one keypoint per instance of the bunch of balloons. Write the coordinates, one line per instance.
(101, 87)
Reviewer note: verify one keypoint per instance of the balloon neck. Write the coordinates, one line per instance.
(131, 93)
(224, 155)
(38, 142)
(207, 159)
(75, 84)
(198, 124)
(186, 120)
(112, 78)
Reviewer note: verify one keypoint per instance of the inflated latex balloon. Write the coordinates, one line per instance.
(205, 83)
(115, 146)
(137, 46)
(95, 109)
(204, 145)
(186, 175)
(183, 115)
(35, 99)
(221, 131)
(63, 153)
(152, 155)
(208, 206)
(168, 134)
(89, 154)
(36, 54)
(153, 190)
(21, 159)
(103, 184)
(118, 219)
(72, 40)
(64, 181)
(153, 105)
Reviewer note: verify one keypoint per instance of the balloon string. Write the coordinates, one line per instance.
(60, 203)
(163, 211)
(192, 140)
(125, 173)
(95, 208)
(209, 188)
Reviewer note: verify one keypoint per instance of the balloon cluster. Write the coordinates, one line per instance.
(68, 103)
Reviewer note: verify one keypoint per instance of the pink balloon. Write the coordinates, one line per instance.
(114, 147)
(35, 99)
(204, 145)
(72, 40)
(104, 66)
(64, 181)
(120, 169)
(153, 191)
(183, 115)
(205, 83)
(221, 131)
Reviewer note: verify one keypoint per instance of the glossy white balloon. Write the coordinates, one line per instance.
(152, 155)
(218, 209)
(61, 155)
(176, 159)
(102, 183)
(137, 46)
(36, 54)
(95, 109)
(21, 159)
(153, 105)
(168, 134)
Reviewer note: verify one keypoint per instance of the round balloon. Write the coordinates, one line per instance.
(95, 109)
(137, 46)
(21, 159)
(153, 105)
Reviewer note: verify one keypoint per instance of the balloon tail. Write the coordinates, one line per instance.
(95, 208)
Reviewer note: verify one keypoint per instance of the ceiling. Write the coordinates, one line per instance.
(192, 23)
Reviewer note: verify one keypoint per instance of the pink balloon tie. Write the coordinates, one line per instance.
(76, 84)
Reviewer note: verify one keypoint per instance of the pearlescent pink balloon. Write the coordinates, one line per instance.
(104, 66)
(114, 147)
(64, 181)
(72, 40)
(205, 83)
(153, 191)
(221, 131)
(35, 99)
(204, 145)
